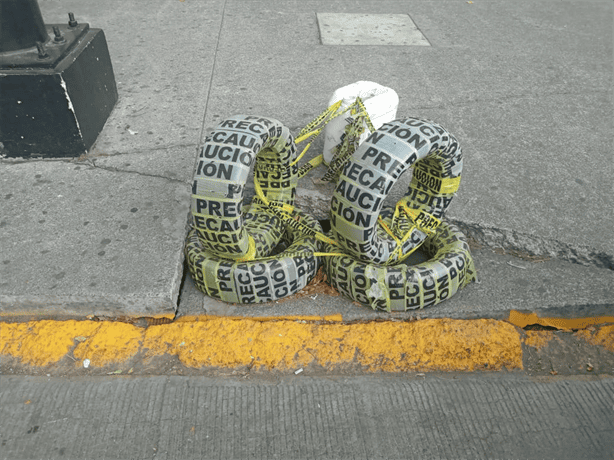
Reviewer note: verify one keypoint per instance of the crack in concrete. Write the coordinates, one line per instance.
(512, 240)
(94, 153)
(91, 163)
(91, 155)
(491, 237)
(138, 173)
(19, 161)
(213, 68)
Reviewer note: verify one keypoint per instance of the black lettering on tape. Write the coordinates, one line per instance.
(443, 284)
(414, 122)
(243, 278)
(428, 180)
(226, 209)
(218, 171)
(362, 188)
(396, 294)
(374, 137)
(429, 298)
(256, 281)
(403, 133)
(406, 287)
(228, 154)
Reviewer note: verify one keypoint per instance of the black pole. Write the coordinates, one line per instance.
(57, 83)
(21, 25)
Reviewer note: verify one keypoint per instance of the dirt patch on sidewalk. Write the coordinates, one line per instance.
(554, 352)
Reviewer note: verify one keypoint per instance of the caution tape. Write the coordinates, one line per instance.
(234, 255)
(357, 119)
(402, 287)
(231, 254)
(371, 172)
(289, 215)
(357, 122)
(286, 213)
(426, 174)
(222, 170)
(254, 281)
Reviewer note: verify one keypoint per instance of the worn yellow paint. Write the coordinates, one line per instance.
(393, 346)
(603, 336)
(524, 319)
(538, 339)
(39, 343)
(111, 342)
(30, 315)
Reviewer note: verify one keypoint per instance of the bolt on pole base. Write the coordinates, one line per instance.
(57, 95)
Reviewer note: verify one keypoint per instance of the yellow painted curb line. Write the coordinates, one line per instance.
(604, 336)
(524, 319)
(391, 346)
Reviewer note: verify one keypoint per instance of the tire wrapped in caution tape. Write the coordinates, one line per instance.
(255, 281)
(404, 287)
(370, 174)
(222, 170)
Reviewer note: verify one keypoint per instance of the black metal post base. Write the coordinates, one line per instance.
(56, 99)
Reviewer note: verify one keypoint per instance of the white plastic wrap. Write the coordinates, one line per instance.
(381, 104)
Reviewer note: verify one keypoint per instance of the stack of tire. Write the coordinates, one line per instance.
(248, 254)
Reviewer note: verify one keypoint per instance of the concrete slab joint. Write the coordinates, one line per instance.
(79, 240)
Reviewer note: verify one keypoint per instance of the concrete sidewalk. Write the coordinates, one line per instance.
(429, 416)
(524, 86)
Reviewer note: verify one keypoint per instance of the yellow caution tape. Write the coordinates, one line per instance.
(443, 185)
(356, 121)
(354, 129)
(370, 173)
(251, 252)
(222, 170)
(260, 280)
(313, 163)
(311, 126)
(235, 260)
(288, 215)
(402, 287)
